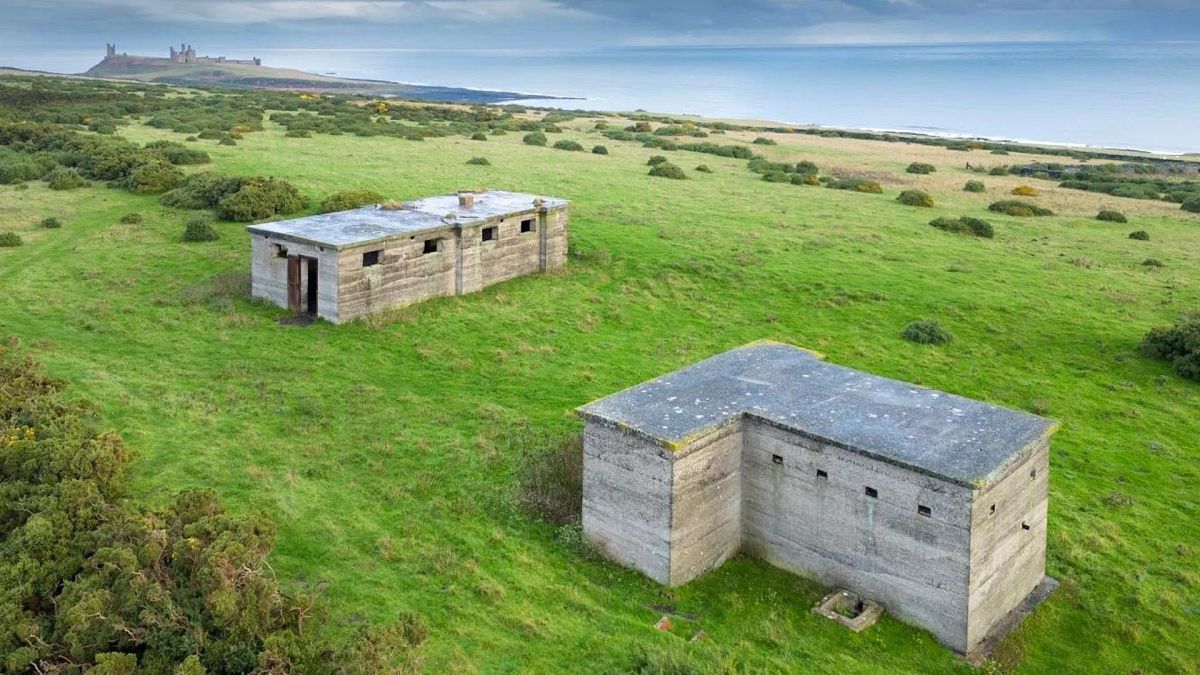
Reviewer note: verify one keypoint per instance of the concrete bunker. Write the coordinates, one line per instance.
(930, 504)
(349, 264)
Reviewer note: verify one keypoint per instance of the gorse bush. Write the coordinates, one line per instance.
(920, 168)
(260, 198)
(572, 146)
(998, 171)
(854, 185)
(1014, 207)
(965, 225)
(479, 136)
(51, 223)
(10, 240)
(534, 138)
(550, 482)
(1191, 204)
(1025, 191)
(667, 170)
(1179, 344)
(974, 186)
(63, 178)
(94, 582)
(350, 199)
(297, 133)
(762, 140)
(927, 333)
(1152, 262)
(200, 227)
(154, 178)
(1140, 235)
(479, 161)
(132, 218)
(1111, 216)
(599, 150)
(656, 159)
(703, 168)
(915, 198)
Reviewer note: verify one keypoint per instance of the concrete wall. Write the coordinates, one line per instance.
(404, 275)
(880, 547)
(1008, 561)
(953, 567)
(268, 273)
(627, 499)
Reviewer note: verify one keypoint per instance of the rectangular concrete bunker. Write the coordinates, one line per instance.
(349, 264)
(931, 504)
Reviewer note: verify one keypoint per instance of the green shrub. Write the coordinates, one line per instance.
(599, 150)
(667, 170)
(260, 198)
(550, 482)
(132, 218)
(572, 146)
(600, 126)
(974, 186)
(805, 179)
(998, 171)
(915, 198)
(200, 228)
(227, 141)
(1015, 207)
(154, 178)
(965, 225)
(479, 161)
(349, 199)
(927, 333)
(202, 190)
(1111, 216)
(854, 185)
(534, 138)
(1140, 235)
(704, 168)
(177, 153)
(479, 136)
(762, 140)
(777, 177)
(921, 168)
(1152, 262)
(51, 223)
(298, 133)
(1025, 191)
(1179, 344)
(656, 159)
(1191, 204)
(10, 239)
(63, 178)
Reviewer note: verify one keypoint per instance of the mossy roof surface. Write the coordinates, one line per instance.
(368, 224)
(961, 440)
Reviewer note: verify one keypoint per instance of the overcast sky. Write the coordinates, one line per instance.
(240, 26)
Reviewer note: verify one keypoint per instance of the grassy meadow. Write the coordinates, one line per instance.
(386, 450)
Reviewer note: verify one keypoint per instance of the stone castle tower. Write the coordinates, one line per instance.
(110, 50)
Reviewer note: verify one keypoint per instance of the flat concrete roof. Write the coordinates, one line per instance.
(370, 224)
(957, 439)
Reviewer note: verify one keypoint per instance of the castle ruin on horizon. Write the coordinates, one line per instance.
(185, 54)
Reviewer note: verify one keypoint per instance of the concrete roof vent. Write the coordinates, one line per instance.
(466, 200)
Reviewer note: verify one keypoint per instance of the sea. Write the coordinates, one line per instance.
(1134, 95)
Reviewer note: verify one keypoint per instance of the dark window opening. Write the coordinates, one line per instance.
(432, 246)
(1024, 526)
(1033, 473)
(872, 492)
(924, 511)
(823, 474)
(527, 225)
(993, 511)
(778, 459)
(280, 251)
(489, 233)
(371, 258)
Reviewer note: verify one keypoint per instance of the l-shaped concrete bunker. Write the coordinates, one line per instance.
(932, 504)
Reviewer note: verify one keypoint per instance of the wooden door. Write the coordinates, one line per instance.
(293, 281)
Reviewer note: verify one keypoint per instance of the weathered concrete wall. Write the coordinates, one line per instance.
(553, 224)
(268, 274)
(830, 529)
(404, 275)
(706, 503)
(512, 254)
(1007, 560)
(627, 499)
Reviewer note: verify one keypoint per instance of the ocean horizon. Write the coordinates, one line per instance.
(1135, 95)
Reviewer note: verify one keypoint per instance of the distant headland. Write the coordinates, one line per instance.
(183, 67)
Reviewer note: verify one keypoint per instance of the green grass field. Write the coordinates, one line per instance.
(386, 450)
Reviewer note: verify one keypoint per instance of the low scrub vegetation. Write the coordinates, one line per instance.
(10, 240)
(1191, 204)
(1112, 216)
(1179, 344)
(965, 225)
(920, 168)
(534, 138)
(599, 150)
(479, 161)
(51, 223)
(763, 140)
(550, 482)
(974, 186)
(479, 136)
(915, 198)
(1025, 191)
(927, 332)
(1014, 207)
(704, 168)
(572, 146)
(1140, 235)
(132, 218)
(667, 170)
(854, 185)
(63, 178)
(237, 198)
(350, 199)
(199, 227)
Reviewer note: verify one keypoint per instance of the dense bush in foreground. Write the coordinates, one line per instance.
(1016, 207)
(927, 333)
(350, 199)
(1179, 344)
(240, 198)
(88, 578)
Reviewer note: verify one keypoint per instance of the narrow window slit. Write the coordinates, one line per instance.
(527, 225)
(872, 492)
(1024, 526)
(371, 258)
(822, 474)
(924, 511)
(778, 459)
(490, 233)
